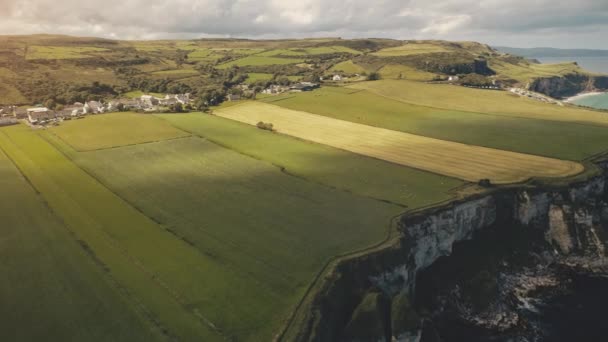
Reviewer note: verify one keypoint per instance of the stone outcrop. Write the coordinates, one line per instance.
(570, 219)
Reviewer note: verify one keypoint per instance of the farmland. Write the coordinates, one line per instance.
(411, 49)
(78, 300)
(456, 160)
(198, 243)
(260, 60)
(61, 52)
(505, 131)
(113, 130)
(365, 176)
(202, 227)
(480, 101)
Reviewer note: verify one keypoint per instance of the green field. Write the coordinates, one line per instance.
(230, 227)
(176, 72)
(52, 288)
(479, 100)
(348, 67)
(533, 136)
(524, 71)
(360, 175)
(136, 94)
(255, 77)
(409, 49)
(115, 129)
(397, 71)
(61, 52)
(260, 60)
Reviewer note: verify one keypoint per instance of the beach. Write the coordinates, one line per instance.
(581, 96)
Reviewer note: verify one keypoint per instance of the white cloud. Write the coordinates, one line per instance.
(538, 22)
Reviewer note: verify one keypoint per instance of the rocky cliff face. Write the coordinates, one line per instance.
(571, 220)
(568, 85)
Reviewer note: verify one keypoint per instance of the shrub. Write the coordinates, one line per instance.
(267, 126)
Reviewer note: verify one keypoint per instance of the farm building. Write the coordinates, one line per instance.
(304, 86)
(453, 78)
(36, 115)
(149, 101)
(93, 107)
(337, 78)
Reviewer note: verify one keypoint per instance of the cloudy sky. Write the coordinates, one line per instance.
(519, 23)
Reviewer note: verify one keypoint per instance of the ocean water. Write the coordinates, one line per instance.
(595, 64)
(599, 101)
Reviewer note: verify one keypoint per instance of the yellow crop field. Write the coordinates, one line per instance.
(466, 162)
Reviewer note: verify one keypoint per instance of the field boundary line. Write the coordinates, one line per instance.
(284, 170)
(139, 307)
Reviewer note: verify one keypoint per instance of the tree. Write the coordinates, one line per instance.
(50, 104)
(373, 76)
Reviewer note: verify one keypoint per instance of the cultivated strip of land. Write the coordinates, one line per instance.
(53, 288)
(466, 162)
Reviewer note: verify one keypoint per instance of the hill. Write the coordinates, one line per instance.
(38, 68)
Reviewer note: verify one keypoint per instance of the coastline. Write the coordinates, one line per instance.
(583, 95)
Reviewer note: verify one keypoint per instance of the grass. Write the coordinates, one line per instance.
(126, 242)
(470, 163)
(254, 77)
(138, 93)
(348, 67)
(52, 287)
(176, 72)
(525, 71)
(478, 100)
(260, 60)
(533, 136)
(115, 129)
(396, 71)
(61, 52)
(409, 49)
(257, 252)
(322, 164)
(323, 50)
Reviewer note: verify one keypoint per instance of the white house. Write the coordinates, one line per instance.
(93, 107)
(453, 78)
(337, 78)
(35, 115)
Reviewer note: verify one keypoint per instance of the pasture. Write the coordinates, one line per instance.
(348, 67)
(184, 214)
(525, 71)
(255, 77)
(397, 71)
(115, 129)
(52, 288)
(479, 100)
(411, 48)
(61, 52)
(322, 164)
(466, 162)
(260, 60)
(502, 131)
(261, 234)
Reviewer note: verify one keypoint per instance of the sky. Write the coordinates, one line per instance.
(517, 23)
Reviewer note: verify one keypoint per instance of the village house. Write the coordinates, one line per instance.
(93, 107)
(303, 86)
(149, 101)
(233, 97)
(39, 115)
(337, 78)
(20, 113)
(275, 89)
(453, 78)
